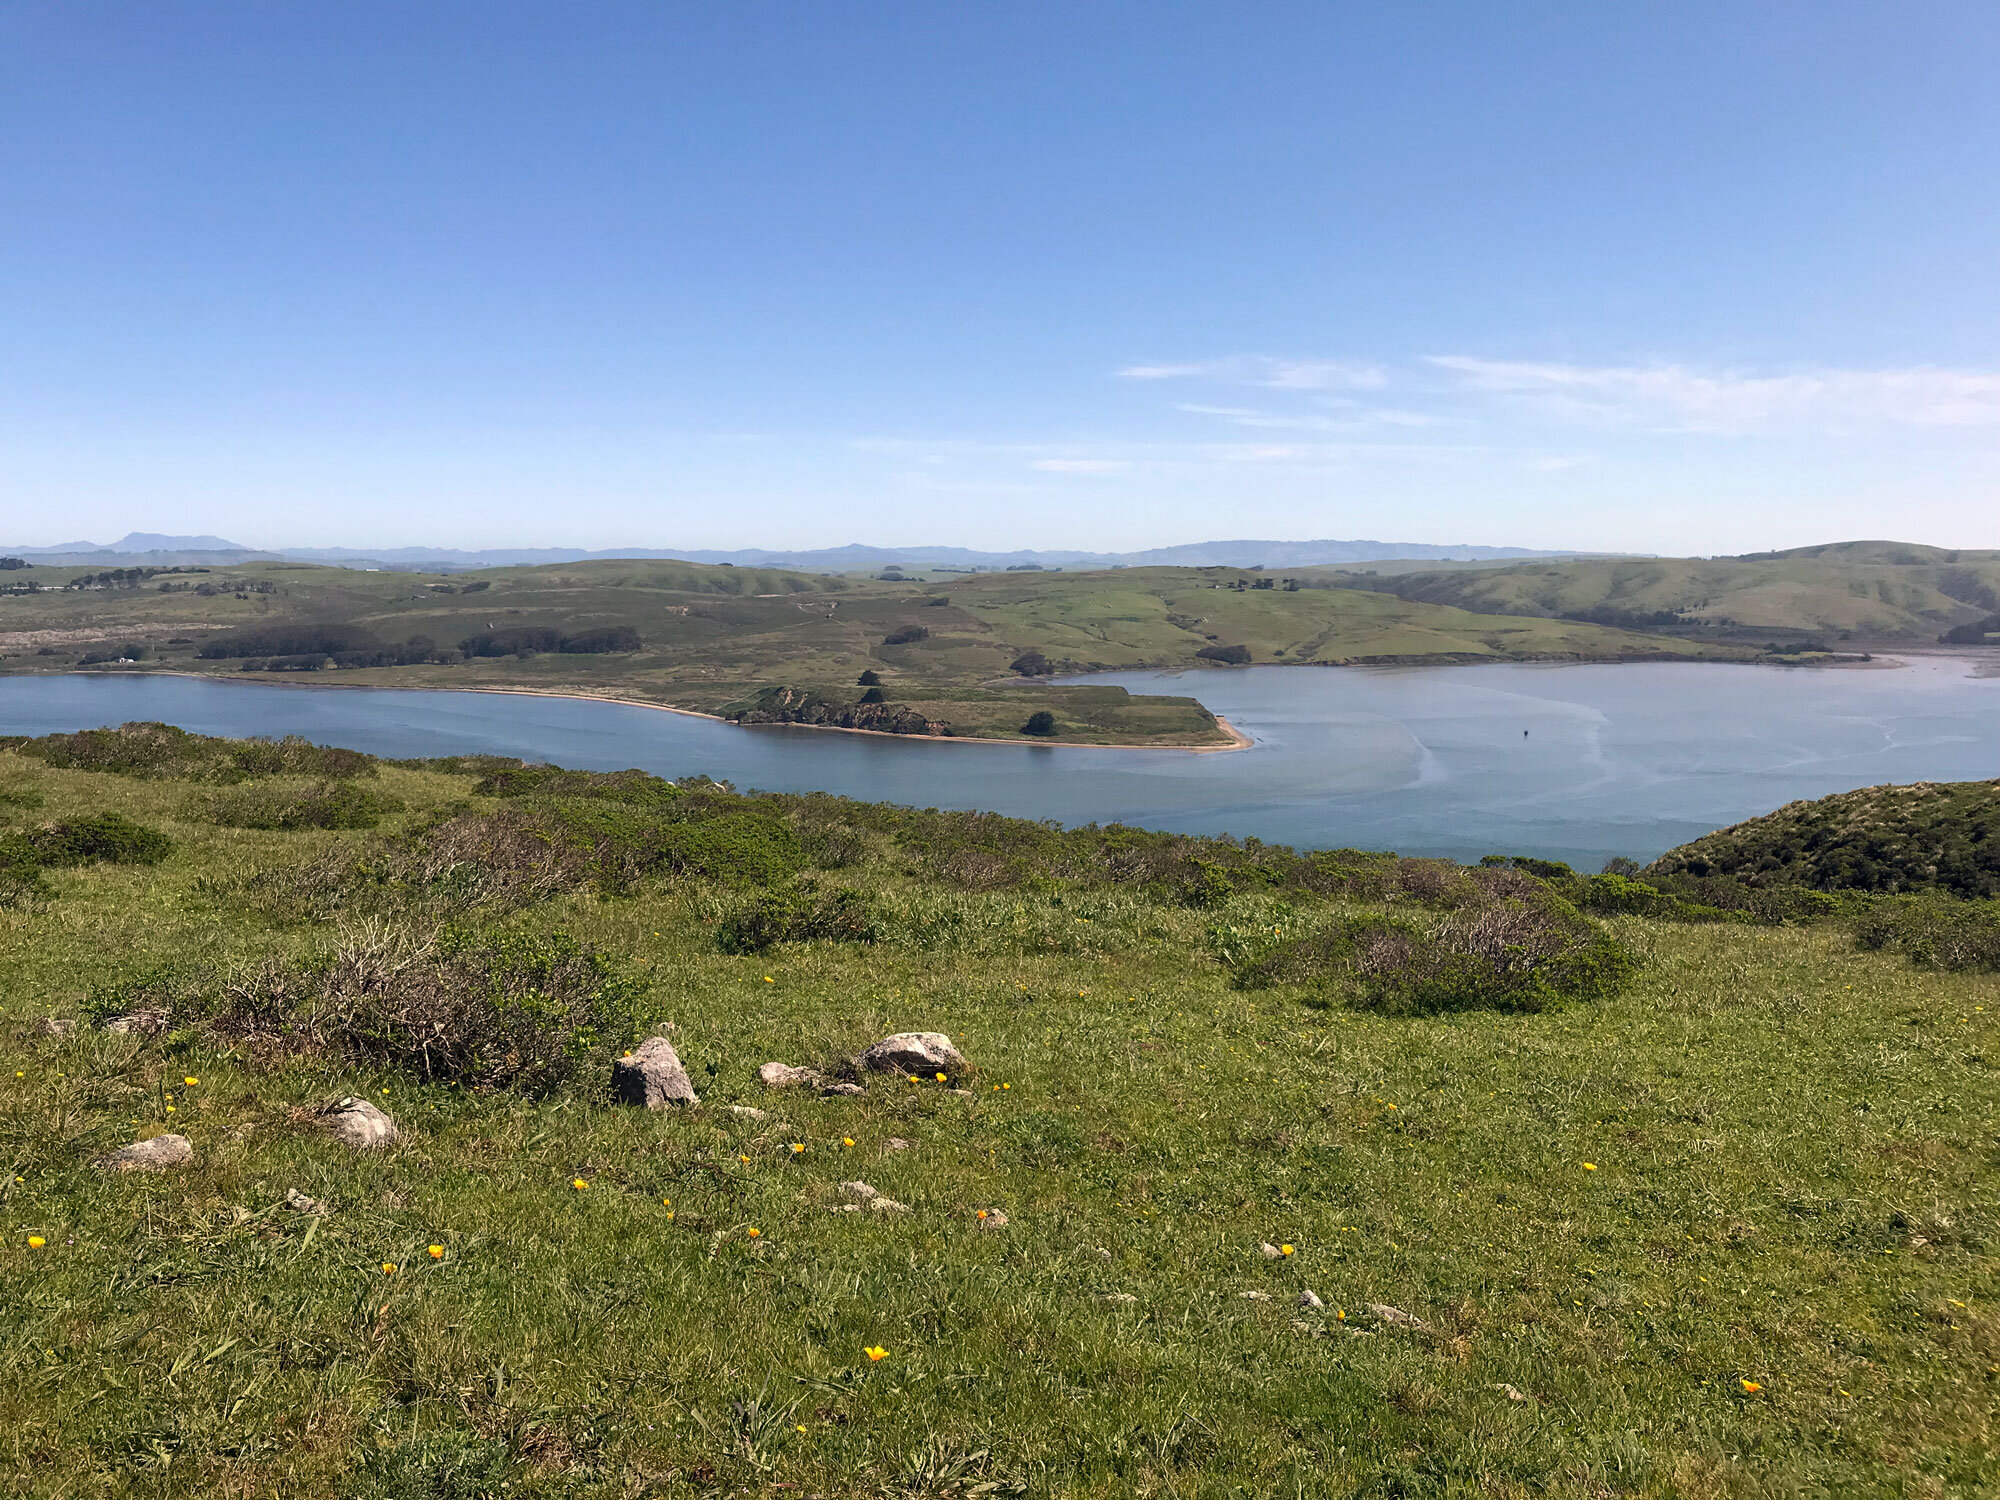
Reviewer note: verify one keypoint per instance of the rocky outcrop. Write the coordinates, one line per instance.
(783, 705)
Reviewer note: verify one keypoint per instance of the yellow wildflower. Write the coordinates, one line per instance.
(753, 1233)
(437, 1252)
(875, 1352)
(847, 1140)
(1750, 1387)
(579, 1184)
(1590, 1166)
(940, 1078)
(190, 1081)
(35, 1242)
(797, 1147)
(388, 1268)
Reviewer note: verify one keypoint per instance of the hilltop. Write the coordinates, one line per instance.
(1249, 1172)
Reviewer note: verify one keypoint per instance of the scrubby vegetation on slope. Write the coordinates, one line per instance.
(1942, 836)
(1318, 1174)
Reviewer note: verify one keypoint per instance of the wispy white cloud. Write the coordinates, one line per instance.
(1270, 372)
(1345, 416)
(1734, 401)
(1082, 465)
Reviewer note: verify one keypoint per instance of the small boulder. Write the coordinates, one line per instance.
(358, 1123)
(55, 1026)
(138, 1023)
(777, 1075)
(1309, 1302)
(652, 1076)
(159, 1154)
(861, 1192)
(1270, 1251)
(992, 1218)
(881, 1205)
(920, 1054)
(840, 1090)
(1255, 1296)
(749, 1112)
(299, 1203)
(1395, 1316)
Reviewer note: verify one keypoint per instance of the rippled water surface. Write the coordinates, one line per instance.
(1568, 762)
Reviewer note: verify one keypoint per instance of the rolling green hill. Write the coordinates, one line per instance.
(734, 641)
(1861, 591)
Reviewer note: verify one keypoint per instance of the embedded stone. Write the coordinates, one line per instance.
(159, 1154)
(777, 1075)
(358, 1123)
(652, 1076)
(916, 1053)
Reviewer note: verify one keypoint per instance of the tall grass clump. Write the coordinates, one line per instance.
(803, 912)
(287, 805)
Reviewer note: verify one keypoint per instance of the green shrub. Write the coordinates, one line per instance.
(1936, 932)
(110, 837)
(801, 913)
(1516, 955)
(322, 804)
(1041, 721)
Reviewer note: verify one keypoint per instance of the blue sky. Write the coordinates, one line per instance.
(1673, 278)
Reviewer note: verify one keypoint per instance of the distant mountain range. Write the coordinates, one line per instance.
(151, 548)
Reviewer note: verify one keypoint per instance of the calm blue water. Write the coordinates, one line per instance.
(1628, 759)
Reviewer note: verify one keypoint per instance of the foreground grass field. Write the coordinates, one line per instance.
(1727, 1233)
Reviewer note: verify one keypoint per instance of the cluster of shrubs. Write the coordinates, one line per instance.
(164, 752)
(289, 805)
(108, 838)
(1228, 656)
(534, 640)
(1935, 932)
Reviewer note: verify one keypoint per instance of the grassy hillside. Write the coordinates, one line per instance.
(719, 640)
(1710, 1215)
(1865, 591)
(1931, 836)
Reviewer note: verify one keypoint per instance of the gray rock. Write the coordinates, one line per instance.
(897, 1143)
(881, 1205)
(1255, 1296)
(749, 1112)
(299, 1203)
(1395, 1316)
(1309, 1302)
(652, 1076)
(921, 1054)
(777, 1075)
(55, 1026)
(1509, 1392)
(992, 1218)
(358, 1124)
(138, 1023)
(840, 1090)
(861, 1192)
(156, 1155)
(1270, 1251)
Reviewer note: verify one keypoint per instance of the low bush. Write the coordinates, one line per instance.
(507, 1010)
(109, 837)
(532, 640)
(907, 635)
(1515, 954)
(320, 804)
(1936, 932)
(803, 912)
(1229, 656)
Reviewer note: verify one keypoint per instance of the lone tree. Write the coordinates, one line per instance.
(904, 635)
(1032, 664)
(873, 695)
(1041, 721)
(869, 678)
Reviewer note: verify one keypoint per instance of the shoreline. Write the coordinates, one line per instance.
(1238, 739)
